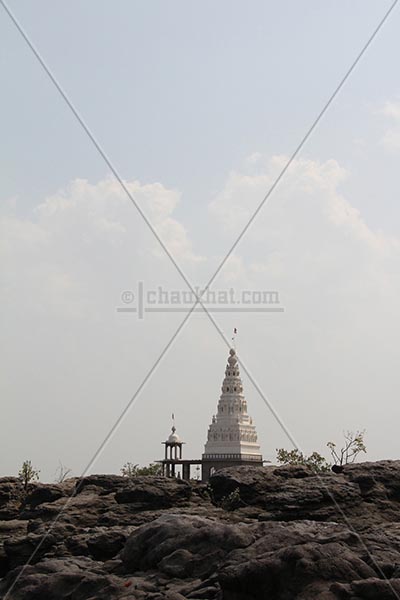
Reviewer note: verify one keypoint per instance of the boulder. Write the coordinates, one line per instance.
(58, 579)
(367, 589)
(376, 481)
(152, 493)
(106, 544)
(101, 484)
(11, 496)
(42, 493)
(9, 530)
(294, 560)
(288, 493)
(12, 529)
(31, 547)
(182, 545)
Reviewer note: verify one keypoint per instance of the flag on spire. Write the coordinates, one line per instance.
(233, 337)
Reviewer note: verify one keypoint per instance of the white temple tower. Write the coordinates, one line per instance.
(232, 437)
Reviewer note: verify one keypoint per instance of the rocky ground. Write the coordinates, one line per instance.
(253, 534)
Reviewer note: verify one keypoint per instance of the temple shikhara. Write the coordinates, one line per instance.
(231, 438)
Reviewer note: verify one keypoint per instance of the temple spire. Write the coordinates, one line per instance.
(232, 437)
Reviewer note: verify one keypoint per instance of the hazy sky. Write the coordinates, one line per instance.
(198, 105)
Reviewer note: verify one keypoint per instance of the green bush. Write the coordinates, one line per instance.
(294, 457)
(131, 470)
(232, 500)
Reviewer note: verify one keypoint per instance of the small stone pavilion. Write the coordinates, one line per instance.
(173, 457)
(232, 437)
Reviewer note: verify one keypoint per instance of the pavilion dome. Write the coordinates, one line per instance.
(174, 437)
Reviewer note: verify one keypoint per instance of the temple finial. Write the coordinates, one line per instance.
(234, 338)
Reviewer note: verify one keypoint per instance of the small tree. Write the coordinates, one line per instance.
(353, 445)
(294, 457)
(131, 470)
(28, 473)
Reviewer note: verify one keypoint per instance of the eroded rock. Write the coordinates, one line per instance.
(292, 535)
(197, 543)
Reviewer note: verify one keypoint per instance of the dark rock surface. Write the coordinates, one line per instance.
(11, 496)
(159, 492)
(288, 534)
(183, 545)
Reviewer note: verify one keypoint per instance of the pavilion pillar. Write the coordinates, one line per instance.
(186, 471)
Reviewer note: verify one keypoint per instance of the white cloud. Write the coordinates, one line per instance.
(71, 361)
(58, 253)
(339, 282)
(306, 207)
(329, 362)
(107, 213)
(392, 109)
